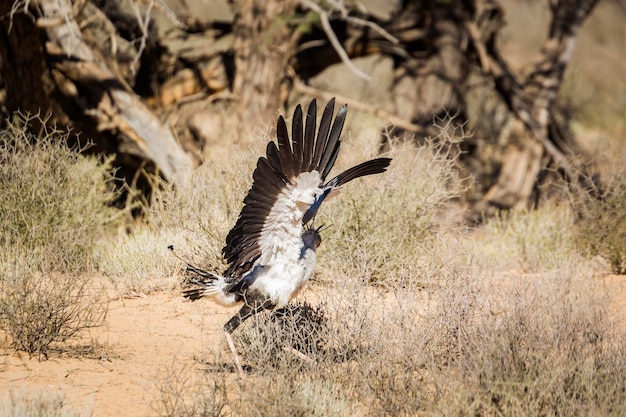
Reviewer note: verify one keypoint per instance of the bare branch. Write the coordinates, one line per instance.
(333, 38)
(143, 24)
(362, 22)
(169, 13)
(385, 116)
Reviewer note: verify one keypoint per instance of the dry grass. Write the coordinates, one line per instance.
(194, 218)
(186, 393)
(505, 320)
(601, 226)
(54, 207)
(29, 404)
(407, 315)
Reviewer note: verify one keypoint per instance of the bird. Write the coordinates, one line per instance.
(271, 250)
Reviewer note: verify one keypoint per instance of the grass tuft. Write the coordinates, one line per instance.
(38, 404)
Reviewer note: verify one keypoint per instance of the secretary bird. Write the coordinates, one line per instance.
(271, 249)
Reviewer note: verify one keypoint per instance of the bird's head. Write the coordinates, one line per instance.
(311, 238)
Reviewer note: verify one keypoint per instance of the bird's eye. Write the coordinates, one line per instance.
(318, 242)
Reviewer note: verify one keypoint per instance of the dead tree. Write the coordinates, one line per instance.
(531, 103)
(255, 57)
(440, 45)
(48, 68)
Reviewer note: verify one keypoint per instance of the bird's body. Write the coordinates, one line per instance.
(271, 248)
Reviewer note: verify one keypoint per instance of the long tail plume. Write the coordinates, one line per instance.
(204, 278)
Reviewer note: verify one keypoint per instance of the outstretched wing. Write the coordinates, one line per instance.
(288, 188)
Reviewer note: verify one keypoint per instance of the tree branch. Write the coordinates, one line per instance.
(385, 116)
(333, 38)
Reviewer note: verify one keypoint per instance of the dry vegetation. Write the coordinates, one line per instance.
(408, 314)
(36, 404)
(53, 210)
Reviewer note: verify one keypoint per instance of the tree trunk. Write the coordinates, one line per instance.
(263, 46)
(67, 81)
(431, 87)
(531, 103)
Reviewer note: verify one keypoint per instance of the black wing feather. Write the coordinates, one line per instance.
(297, 138)
(375, 166)
(273, 158)
(322, 133)
(285, 160)
(309, 137)
(333, 144)
(266, 186)
(284, 148)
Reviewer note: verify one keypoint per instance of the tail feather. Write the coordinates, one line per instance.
(208, 281)
(206, 277)
(207, 290)
(194, 294)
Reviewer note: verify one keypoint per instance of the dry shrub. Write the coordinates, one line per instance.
(536, 345)
(376, 221)
(37, 310)
(54, 201)
(37, 404)
(194, 218)
(53, 209)
(270, 339)
(185, 393)
(601, 228)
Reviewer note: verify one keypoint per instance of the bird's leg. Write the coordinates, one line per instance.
(236, 358)
(246, 311)
(249, 309)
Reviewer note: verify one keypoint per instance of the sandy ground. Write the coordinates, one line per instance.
(142, 340)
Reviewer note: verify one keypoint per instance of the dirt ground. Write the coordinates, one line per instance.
(142, 339)
(118, 375)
